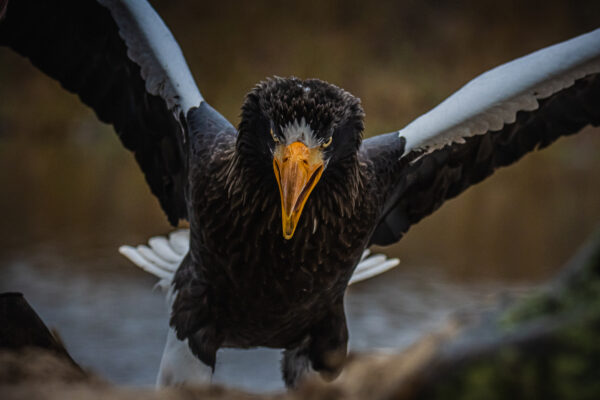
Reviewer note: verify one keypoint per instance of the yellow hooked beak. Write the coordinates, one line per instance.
(297, 170)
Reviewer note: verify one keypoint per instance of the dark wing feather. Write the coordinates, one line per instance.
(417, 175)
(123, 62)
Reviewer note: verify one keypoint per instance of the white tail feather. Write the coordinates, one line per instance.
(147, 265)
(150, 255)
(180, 241)
(367, 273)
(162, 248)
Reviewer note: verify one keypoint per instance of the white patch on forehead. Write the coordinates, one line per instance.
(299, 132)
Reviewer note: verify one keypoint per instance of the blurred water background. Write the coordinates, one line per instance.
(71, 194)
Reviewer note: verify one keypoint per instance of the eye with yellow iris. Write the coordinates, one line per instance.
(275, 139)
(326, 144)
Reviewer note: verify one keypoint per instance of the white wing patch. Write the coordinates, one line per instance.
(493, 99)
(152, 46)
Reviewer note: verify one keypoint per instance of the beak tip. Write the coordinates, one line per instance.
(288, 233)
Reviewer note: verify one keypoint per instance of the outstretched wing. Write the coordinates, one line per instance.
(491, 122)
(122, 61)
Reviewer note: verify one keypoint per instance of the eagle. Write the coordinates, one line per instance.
(282, 207)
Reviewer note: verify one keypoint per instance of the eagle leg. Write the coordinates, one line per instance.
(323, 351)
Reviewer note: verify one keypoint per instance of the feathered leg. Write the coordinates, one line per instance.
(324, 351)
(179, 366)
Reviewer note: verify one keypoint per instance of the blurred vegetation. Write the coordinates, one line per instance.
(67, 180)
(543, 347)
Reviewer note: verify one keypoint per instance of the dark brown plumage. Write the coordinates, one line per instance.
(297, 285)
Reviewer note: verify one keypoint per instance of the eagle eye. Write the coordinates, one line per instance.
(327, 142)
(275, 139)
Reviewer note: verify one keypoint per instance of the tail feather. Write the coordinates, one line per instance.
(180, 241)
(147, 265)
(372, 261)
(152, 256)
(162, 248)
(149, 261)
(363, 273)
